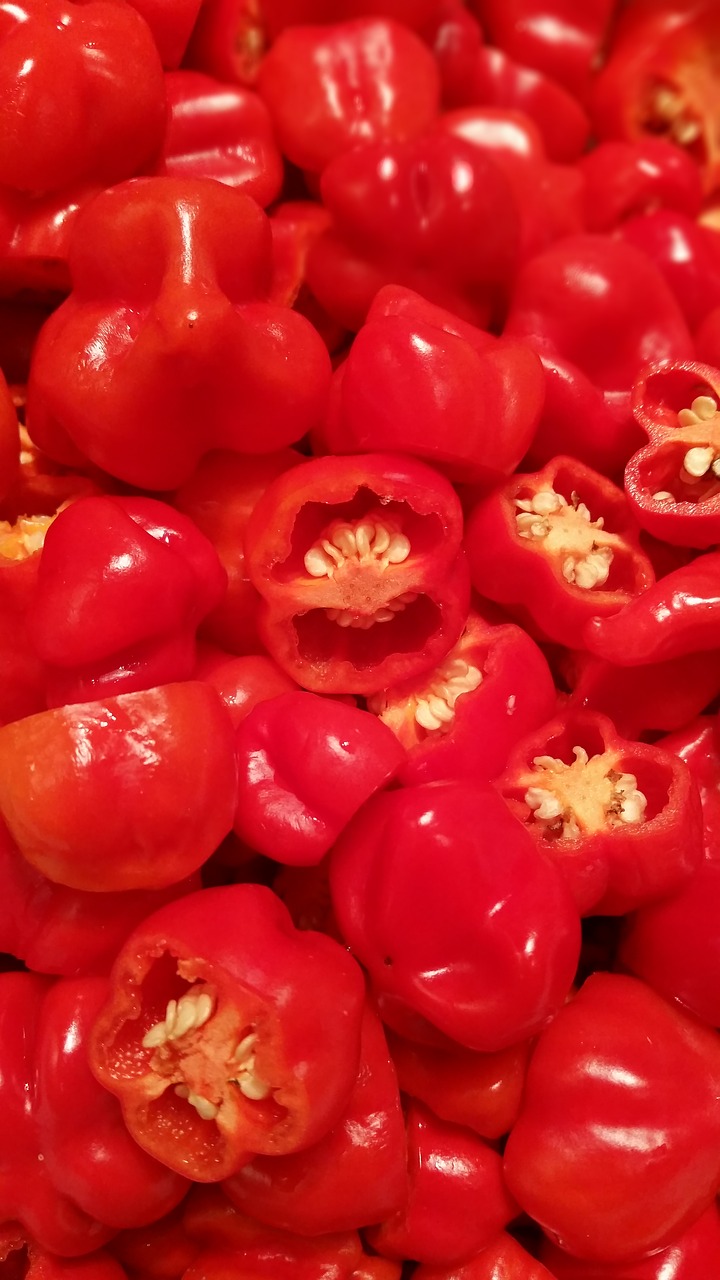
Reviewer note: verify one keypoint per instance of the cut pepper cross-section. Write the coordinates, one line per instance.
(587, 795)
(569, 531)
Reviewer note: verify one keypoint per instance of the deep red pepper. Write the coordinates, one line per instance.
(693, 1255)
(621, 820)
(404, 386)
(359, 565)
(306, 764)
(242, 682)
(601, 1117)
(456, 1201)
(454, 35)
(171, 26)
(160, 761)
(353, 1177)
(162, 1251)
(698, 745)
(35, 234)
(625, 179)
(657, 696)
(92, 1179)
(557, 547)
(192, 358)
(399, 877)
(462, 719)
(687, 255)
(21, 1259)
(504, 1259)
(237, 1019)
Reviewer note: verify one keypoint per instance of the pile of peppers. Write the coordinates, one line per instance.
(359, 639)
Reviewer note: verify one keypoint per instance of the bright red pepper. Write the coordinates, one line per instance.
(91, 1179)
(353, 1177)
(462, 719)
(404, 386)
(192, 358)
(625, 179)
(661, 79)
(122, 586)
(242, 682)
(557, 547)
(687, 255)
(35, 234)
(220, 131)
(601, 1117)
(359, 564)
(594, 309)
(698, 744)
(330, 88)
(161, 762)
(693, 1255)
(305, 766)
(457, 958)
(658, 696)
(21, 1259)
(456, 1199)
(504, 1259)
(82, 95)
(459, 254)
(216, 1038)
(621, 820)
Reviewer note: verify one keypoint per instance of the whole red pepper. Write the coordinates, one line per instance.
(216, 1038)
(693, 1255)
(621, 820)
(192, 358)
(442, 925)
(69, 1171)
(404, 386)
(306, 764)
(353, 1177)
(358, 561)
(161, 762)
(601, 1117)
(557, 547)
(626, 179)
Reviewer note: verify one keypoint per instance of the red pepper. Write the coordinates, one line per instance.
(162, 1251)
(504, 1259)
(404, 386)
(91, 1179)
(661, 79)
(35, 234)
(456, 1200)
(461, 720)
(22, 674)
(672, 483)
(22, 1259)
(480, 1091)
(455, 37)
(122, 586)
(442, 925)
(82, 96)
(171, 26)
(693, 1255)
(678, 616)
(243, 682)
(359, 564)
(220, 131)
(161, 762)
(658, 696)
(686, 254)
(621, 820)
(192, 358)
(354, 1176)
(594, 308)
(558, 547)
(330, 88)
(216, 1038)
(305, 766)
(460, 254)
(626, 179)
(698, 745)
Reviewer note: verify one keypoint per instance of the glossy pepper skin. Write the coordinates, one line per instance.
(354, 1176)
(228, 1015)
(558, 547)
(35, 234)
(460, 255)
(600, 1113)
(693, 1255)
(698, 745)
(456, 1200)
(160, 761)
(399, 878)
(122, 586)
(92, 1178)
(306, 764)
(404, 386)
(242, 682)
(171, 278)
(671, 484)
(504, 1259)
(329, 88)
(462, 719)
(686, 253)
(82, 97)
(623, 180)
(358, 561)
(621, 820)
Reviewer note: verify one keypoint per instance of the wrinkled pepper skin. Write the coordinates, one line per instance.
(83, 96)
(458, 961)
(306, 765)
(91, 1179)
(165, 753)
(600, 1117)
(237, 1019)
(353, 1177)
(171, 278)
(693, 1255)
